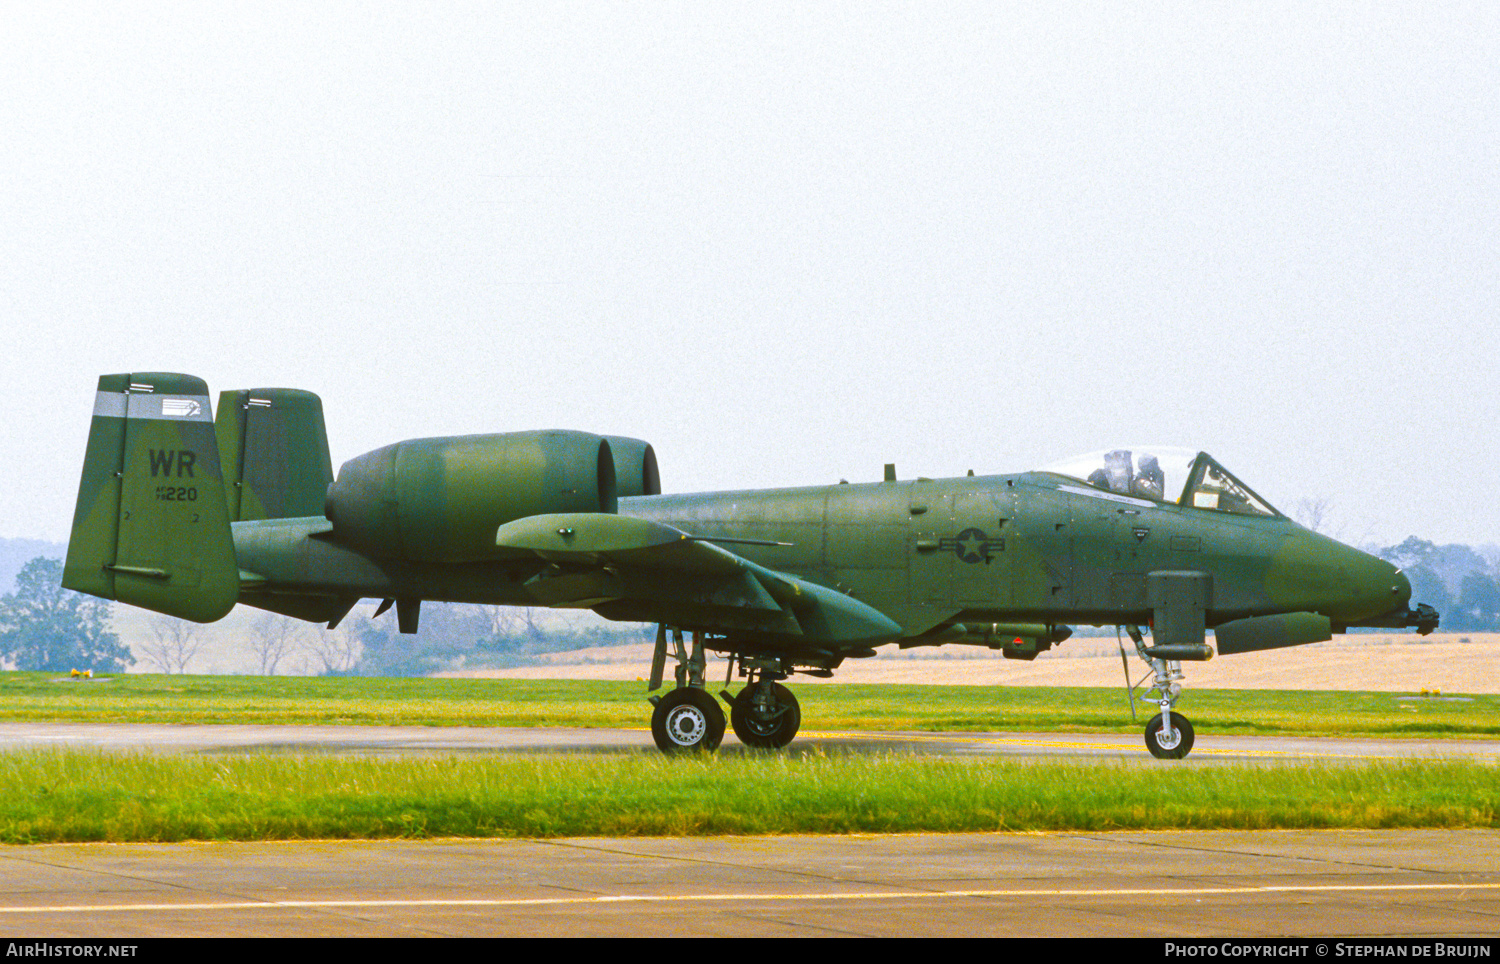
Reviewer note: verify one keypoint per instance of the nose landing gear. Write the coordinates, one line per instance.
(1169, 742)
(1169, 735)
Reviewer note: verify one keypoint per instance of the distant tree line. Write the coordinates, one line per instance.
(48, 628)
(1454, 579)
(458, 635)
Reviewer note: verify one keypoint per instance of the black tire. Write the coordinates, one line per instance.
(687, 719)
(772, 734)
(1184, 738)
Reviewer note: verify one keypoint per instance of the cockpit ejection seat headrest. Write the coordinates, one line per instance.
(1151, 482)
(1117, 468)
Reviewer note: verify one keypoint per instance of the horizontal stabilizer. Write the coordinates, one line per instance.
(313, 609)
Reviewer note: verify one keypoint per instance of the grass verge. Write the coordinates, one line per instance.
(142, 698)
(56, 796)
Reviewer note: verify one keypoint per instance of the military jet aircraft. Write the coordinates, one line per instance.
(185, 515)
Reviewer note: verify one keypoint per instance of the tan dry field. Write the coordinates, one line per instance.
(1447, 662)
(1395, 662)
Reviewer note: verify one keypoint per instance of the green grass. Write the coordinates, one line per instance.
(89, 796)
(137, 698)
(142, 698)
(82, 796)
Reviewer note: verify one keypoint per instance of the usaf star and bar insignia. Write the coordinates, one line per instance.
(972, 545)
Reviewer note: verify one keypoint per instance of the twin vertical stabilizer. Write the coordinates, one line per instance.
(162, 481)
(152, 526)
(274, 449)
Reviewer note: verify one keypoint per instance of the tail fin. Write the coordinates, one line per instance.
(274, 450)
(152, 528)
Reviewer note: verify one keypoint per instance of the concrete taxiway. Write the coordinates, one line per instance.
(1181, 884)
(400, 740)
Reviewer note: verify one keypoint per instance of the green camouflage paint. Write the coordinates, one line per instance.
(556, 518)
(151, 526)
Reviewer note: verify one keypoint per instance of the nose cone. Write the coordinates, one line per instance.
(1314, 573)
(1402, 589)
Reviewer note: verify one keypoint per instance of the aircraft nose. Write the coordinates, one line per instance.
(1379, 587)
(1401, 588)
(1318, 574)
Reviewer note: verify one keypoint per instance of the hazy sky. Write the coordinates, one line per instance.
(784, 243)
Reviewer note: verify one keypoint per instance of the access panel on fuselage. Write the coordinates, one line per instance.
(1041, 548)
(866, 527)
(959, 549)
(1111, 551)
(866, 542)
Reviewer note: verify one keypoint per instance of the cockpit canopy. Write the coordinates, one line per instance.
(1162, 474)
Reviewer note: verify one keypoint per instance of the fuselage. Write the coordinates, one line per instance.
(1033, 546)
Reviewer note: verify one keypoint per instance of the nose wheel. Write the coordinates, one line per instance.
(1169, 742)
(1169, 735)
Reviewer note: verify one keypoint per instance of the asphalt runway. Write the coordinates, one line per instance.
(403, 740)
(1415, 884)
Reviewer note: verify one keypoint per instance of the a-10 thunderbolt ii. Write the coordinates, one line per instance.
(185, 515)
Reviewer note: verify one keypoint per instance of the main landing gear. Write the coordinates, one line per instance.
(687, 719)
(764, 714)
(1169, 735)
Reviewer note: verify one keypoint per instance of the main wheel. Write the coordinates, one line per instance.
(1163, 748)
(768, 731)
(687, 719)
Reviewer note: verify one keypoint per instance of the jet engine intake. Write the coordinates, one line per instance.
(635, 467)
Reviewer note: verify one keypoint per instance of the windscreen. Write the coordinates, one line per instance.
(1212, 487)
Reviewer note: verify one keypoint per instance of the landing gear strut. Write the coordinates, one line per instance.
(1169, 735)
(687, 718)
(764, 714)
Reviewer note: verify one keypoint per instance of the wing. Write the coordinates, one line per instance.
(636, 569)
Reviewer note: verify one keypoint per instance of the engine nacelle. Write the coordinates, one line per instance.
(441, 499)
(635, 467)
